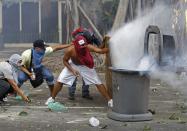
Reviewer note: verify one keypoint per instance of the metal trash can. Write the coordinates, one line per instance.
(130, 95)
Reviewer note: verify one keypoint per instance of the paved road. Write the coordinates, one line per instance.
(165, 100)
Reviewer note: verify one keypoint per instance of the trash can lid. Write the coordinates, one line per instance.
(129, 71)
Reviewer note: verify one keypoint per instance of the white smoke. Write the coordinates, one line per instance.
(146, 63)
(127, 47)
(177, 81)
(127, 43)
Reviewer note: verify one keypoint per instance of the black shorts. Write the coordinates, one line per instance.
(5, 88)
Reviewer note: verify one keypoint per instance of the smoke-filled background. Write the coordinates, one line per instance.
(127, 45)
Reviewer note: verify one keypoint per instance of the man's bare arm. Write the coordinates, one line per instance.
(60, 46)
(17, 89)
(97, 50)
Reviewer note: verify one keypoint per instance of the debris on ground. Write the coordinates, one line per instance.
(103, 126)
(182, 107)
(124, 124)
(177, 93)
(162, 122)
(174, 116)
(154, 90)
(3, 109)
(152, 111)
(18, 98)
(23, 113)
(146, 128)
(94, 122)
(56, 106)
(182, 122)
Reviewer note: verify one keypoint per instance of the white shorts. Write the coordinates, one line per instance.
(89, 75)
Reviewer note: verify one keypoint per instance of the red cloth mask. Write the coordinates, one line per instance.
(83, 52)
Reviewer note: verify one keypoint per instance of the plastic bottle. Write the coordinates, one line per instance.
(94, 121)
(33, 74)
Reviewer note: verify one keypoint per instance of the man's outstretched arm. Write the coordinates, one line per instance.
(60, 47)
(97, 50)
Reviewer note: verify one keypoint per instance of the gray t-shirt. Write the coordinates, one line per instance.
(6, 71)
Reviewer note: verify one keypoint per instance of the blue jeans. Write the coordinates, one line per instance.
(47, 75)
(85, 88)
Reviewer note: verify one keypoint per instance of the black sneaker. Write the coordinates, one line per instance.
(87, 97)
(71, 97)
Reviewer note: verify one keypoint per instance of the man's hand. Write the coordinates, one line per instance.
(76, 73)
(25, 98)
(106, 39)
(97, 50)
(105, 50)
(18, 90)
(31, 75)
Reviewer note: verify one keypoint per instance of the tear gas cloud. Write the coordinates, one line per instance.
(127, 43)
(127, 46)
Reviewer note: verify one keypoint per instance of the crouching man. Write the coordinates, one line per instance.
(9, 78)
(32, 60)
(78, 61)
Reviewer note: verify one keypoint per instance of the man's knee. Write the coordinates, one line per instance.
(59, 84)
(50, 80)
(100, 86)
(48, 76)
(22, 77)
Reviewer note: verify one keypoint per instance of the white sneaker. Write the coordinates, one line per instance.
(110, 103)
(5, 99)
(49, 100)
